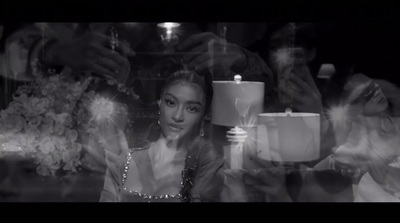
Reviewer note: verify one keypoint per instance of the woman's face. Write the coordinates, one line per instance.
(377, 101)
(182, 108)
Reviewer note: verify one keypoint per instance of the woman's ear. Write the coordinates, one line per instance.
(207, 116)
(159, 102)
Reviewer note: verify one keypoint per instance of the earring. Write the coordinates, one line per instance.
(202, 129)
(159, 113)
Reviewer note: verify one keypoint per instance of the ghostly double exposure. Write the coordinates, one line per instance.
(199, 112)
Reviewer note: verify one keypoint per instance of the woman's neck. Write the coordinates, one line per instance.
(179, 144)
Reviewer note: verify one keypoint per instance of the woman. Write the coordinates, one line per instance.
(368, 135)
(367, 110)
(175, 162)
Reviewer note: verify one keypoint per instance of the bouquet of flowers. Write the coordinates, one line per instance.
(40, 123)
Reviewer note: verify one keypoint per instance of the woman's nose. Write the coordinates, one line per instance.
(178, 115)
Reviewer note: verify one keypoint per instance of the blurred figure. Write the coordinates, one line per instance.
(224, 59)
(292, 56)
(368, 133)
(291, 51)
(82, 47)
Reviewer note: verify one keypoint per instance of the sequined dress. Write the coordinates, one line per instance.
(156, 174)
(153, 176)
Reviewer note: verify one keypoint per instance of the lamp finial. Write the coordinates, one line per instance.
(237, 78)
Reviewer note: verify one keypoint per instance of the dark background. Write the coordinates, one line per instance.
(362, 33)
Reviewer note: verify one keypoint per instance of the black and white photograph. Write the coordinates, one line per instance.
(170, 110)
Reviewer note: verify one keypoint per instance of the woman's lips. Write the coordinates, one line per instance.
(175, 128)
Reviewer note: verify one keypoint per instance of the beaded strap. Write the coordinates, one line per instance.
(188, 174)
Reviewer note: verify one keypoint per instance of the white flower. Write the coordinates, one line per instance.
(3, 114)
(57, 157)
(61, 144)
(65, 119)
(28, 142)
(15, 107)
(39, 105)
(47, 160)
(47, 126)
(62, 106)
(43, 171)
(46, 145)
(77, 147)
(32, 131)
(12, 124)
(72, 135)
(22, 98)
(24, 89)
(58, 129)
(67, 155)
(35, 121)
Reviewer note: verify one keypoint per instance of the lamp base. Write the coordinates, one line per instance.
(222, 146)
(233, 156)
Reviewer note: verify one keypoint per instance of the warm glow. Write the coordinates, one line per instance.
(9, 147)
(237, 78)
(282, 57)
(168, 25)
(339, 114)
(101, 109)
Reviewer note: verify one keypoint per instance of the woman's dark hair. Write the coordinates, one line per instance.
(204, 80)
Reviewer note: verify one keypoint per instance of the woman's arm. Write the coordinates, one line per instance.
(115, 145)
(110, 189)
(115, 158)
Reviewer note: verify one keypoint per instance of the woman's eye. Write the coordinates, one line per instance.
(369, 94)
(193, 109)
(169, 102)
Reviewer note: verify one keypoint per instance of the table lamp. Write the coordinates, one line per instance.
(288, 137)
(236, 105)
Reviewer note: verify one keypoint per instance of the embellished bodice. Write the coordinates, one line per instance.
(153, 176)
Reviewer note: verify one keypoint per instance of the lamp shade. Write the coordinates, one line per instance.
(288, 137)
(237, 104)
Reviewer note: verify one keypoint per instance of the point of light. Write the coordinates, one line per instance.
(339, 114)
(243, 125)
(101, 109)
(282, 57)
(9, 147)
(168, 25)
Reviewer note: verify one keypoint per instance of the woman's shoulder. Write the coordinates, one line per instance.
(206, 152)
(203, 145)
